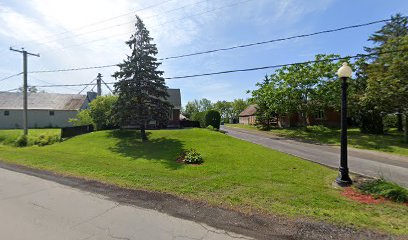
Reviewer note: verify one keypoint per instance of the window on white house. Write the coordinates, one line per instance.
(52, 113)
(6, 113)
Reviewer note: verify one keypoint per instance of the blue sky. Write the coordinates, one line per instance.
(61, 32)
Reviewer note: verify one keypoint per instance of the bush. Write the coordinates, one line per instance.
(200, 117)
(213, 118)
(317, 128)
(44, 140)
(390, 121)
(21, 141)
(82, 118)
(193, 157)
(386, 189)
(211, 128)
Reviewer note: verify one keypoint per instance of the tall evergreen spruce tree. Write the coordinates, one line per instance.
(142, 93)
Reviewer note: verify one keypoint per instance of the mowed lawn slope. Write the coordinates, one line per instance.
(236, 174)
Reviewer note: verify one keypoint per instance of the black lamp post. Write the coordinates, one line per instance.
(344, 179)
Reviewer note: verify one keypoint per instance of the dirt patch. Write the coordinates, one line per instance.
(255, 225)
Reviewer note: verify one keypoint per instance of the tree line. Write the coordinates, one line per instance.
(378, 89)
(229, 111)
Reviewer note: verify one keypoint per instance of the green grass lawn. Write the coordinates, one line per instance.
(8, 137)
(236, 174)
(392, 142)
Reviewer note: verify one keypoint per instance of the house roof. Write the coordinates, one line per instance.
(249, 111)
(174, 98)
(42, 101)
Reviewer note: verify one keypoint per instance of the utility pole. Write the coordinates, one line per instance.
(99, 84)
(25, 102)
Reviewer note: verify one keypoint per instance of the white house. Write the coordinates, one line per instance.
(45, 110)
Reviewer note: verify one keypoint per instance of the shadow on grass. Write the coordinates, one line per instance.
(164, 150)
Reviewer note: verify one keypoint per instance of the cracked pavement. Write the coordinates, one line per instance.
(34, 208)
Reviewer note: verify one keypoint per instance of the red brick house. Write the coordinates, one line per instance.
(328, 117)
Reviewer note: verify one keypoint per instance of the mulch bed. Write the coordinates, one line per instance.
(353, 194)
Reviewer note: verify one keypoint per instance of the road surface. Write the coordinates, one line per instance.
(38, 209)
(369, 163)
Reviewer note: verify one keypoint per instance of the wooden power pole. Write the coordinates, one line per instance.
(25, 102)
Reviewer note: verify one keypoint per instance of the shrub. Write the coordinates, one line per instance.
(386, 189)
(44, 140)
(213, 118)
(190, 156)
(193, 157)
(82, 118)
(200, 117)
(317, 128)
(101, 112)
(390, 121)
(211, 128)
(21, 141)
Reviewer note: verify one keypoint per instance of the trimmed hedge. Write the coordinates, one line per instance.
(213, 118)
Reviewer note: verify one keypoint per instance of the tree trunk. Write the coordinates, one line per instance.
(143, 132)
(399, 122)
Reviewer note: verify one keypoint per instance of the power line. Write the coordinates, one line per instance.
(116, 25)
(108, 19)
(248, 69)
(158, 25)
(11, 76)
(277, 40)
(231, 48)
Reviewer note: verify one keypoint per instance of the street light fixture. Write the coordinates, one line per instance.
(344, 179)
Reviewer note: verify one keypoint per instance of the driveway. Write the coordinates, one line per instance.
(37, 209)
(369, 163)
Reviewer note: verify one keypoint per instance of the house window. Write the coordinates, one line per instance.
(6, 113)
(320, 115)
(52, 113)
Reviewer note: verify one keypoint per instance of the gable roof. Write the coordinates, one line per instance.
(249, 111)
(42, 101)
(174, 98)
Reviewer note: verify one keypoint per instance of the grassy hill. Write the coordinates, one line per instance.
(235, 174)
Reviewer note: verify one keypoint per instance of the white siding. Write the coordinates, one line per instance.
(37, 118)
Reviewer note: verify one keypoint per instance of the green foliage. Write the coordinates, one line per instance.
(390, 121)
(200, 117)
(317, 128)
(191, 108)
(21, 141)
(141, 89)
(386, 189)
(193, 157)
(211, 128)
(101, 112)
(225, 109)
(82, 118)
(46, 139)
(213, 118)
(303, 89)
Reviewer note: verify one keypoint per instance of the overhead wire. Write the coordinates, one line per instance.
(250, 69)
(11, 76)
(229, 48)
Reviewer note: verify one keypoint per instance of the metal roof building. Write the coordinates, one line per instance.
(44, 109)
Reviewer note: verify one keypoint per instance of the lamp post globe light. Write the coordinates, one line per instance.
(344, 179)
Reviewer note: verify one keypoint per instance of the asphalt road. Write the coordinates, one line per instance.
(34, 208)
(368, 163)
